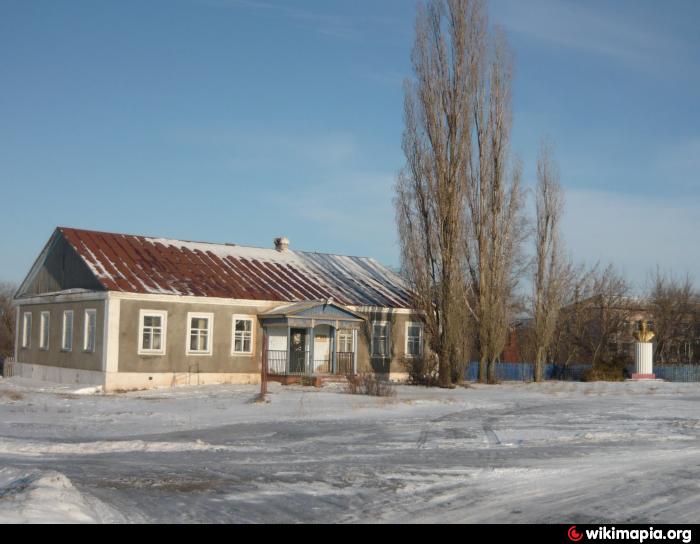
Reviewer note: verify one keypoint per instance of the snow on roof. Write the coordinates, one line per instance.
(139, 264)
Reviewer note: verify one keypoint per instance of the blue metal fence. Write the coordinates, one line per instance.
(570, 373)
(504, 372)
(524, 372)
(678, 373)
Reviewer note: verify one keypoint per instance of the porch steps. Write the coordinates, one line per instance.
(315, 380)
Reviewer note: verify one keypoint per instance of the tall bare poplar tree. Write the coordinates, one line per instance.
(552, 274)
(493, 219)
(458, 199)
(436, 142)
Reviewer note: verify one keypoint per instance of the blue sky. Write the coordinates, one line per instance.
(241, 120)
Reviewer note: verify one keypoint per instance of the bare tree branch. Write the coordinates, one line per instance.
(7, 319)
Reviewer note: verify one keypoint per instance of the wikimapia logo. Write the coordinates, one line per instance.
(574, 535)
(636, 535)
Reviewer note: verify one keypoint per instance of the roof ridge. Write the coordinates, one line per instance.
(229, 244)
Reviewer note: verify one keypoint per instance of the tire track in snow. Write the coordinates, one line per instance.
(491, 436)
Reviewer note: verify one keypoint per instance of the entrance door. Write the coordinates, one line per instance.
(297, 349)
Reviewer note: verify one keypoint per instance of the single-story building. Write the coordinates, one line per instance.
(125, 311)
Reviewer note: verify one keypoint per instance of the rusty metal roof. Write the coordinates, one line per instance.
(140, 264)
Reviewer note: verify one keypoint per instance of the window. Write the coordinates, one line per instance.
(67, 337)
(242, 334)
(344, 341)
(199, 336)
(380, 339)
(27, 330)
(153, 326)
(44, 330)
(89, 330)
(414, 339)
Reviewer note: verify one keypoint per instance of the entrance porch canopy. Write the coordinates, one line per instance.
(301, 319)
(310, 314)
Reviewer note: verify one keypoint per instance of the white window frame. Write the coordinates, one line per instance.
(210, 333)
(243, 317)
(348, 333)
(420, 338)
(66, 313)
(386, 355)
(45, 327)
(27, 330)
(86, 321)
(163, 332)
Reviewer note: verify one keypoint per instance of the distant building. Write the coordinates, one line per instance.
(127, 312)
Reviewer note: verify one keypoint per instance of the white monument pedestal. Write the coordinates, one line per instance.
(643, 361)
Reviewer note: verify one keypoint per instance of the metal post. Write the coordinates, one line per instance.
(333, 362)
(354, 351)
(288, 363)
(263, 370)
(310, 351)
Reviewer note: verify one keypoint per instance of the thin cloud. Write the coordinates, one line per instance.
(635, 233)
(354, 210)
(340, 26)
(592, 30)
(249, 146)
(679, 165)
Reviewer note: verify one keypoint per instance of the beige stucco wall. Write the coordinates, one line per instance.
(397, 323)
(176, 358)
(55, 356)
(221, 361)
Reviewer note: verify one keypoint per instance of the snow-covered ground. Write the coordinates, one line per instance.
(553, 452)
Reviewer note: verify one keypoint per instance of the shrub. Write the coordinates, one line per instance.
(422, 370)
(12, 395)
(370, 384)
(613, 370)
